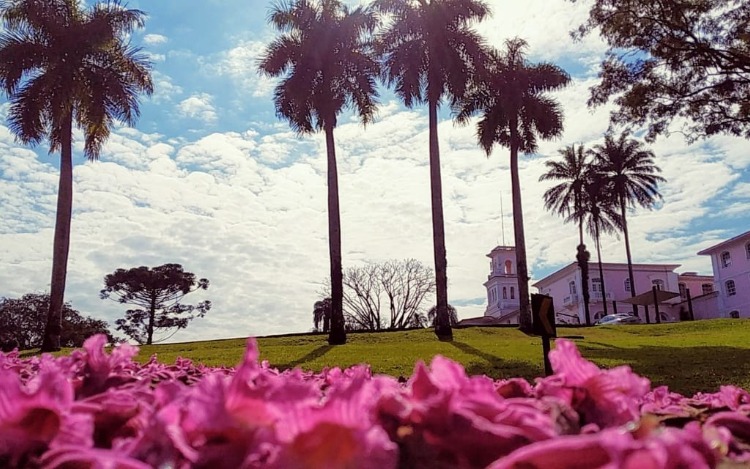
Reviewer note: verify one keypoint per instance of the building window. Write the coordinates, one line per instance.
(731, 289)
(512, 293)
(683, 290)
(726, 259)
(707, 288)
(508, 267)
(658, 283)
(747, 250)
(505, 293)
(627, 284)
(596, 285)
(572, 286)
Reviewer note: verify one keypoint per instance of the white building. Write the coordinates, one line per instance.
(731, 265)
(566, 289)
(502, 286)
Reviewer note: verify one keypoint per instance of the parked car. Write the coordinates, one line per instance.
(619, 318)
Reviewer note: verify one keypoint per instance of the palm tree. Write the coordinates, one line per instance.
(599, 210)
(430, 52)
(326, 59)
(514, 113)
(64, 65)
(566, 198)
(322, 314)
(631, 178)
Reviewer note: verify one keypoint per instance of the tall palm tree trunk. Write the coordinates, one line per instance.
(151, 319)
(61, 246)
(583, 265)
(627, 252)
(601, 268)
(337, 334)
(524, 317)
(442, 324)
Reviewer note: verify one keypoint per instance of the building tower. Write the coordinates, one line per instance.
(502, 285)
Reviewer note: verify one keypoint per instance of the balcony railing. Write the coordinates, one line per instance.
(597, 295)
(569, 300)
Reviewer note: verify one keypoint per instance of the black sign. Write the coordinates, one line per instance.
(543, 314)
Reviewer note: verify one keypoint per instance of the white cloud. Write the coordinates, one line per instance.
(241, 64)
(200, 107)
(165, 90)
(154, 39)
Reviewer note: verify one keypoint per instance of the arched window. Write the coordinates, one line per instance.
(572, 287)
(627, 284)
(505, 293)
(658, 283)
(683, 290)
(731, 288)
(508, 267)
(512, 293)
(726, 259)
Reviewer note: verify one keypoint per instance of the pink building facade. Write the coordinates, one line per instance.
(566, 289)
(731, 265)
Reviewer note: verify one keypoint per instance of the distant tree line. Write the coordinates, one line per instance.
(22, 322)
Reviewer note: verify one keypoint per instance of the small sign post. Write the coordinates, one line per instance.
(543, 316)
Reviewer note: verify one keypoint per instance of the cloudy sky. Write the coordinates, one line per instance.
(211, 179)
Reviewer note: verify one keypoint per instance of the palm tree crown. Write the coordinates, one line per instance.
(429, 48)
(510, 96)
(59, 60)
(630, 170)
(429, 52)
(327, 61)
(63, 65)
(566, 198)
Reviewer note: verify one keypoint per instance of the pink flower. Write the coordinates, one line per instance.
(603, 397)
(97, 370)
(342, 432)
(647, 446)
(35, 414)
(442, 415)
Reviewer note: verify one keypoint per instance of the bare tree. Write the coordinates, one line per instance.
(406, 283)
(386, 296)
(362, 292)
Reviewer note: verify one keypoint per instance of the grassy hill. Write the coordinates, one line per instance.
(688, 357)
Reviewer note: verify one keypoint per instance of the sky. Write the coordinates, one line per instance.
(211, 179)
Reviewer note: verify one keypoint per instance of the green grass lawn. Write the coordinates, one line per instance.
(688, 357)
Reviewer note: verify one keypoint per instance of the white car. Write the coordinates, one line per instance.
(619, 318)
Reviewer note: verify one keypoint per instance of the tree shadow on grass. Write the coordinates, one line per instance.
(496, 367)
(685, 370)
(312, 355)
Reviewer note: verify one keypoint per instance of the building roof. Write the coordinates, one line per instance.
(647, 298)
(723, 244)
(594, 268)
(501, 248)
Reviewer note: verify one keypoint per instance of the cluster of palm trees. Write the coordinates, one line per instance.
(596, 187)
(330, 58)
(64, 64)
